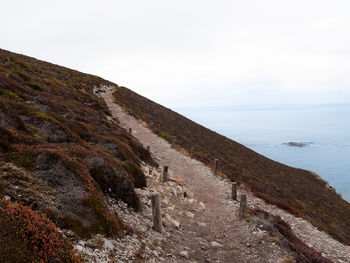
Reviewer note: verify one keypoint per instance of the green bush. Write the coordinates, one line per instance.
(9, 95)
(165, 136)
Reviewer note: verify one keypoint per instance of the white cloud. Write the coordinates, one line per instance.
(194, 52)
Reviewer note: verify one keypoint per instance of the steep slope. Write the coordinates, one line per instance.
(298, 191)
(60, 149)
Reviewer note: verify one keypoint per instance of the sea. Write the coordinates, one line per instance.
(266, 129)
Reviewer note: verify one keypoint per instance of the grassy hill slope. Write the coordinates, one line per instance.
(298, 191)
(61, 152)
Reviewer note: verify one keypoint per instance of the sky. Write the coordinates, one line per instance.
(194, 53)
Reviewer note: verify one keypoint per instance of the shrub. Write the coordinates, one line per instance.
(165, 136)
(22, 75)
(296, 243)
(9, 95)
(23, 159)
(39, 233)
(13, 248)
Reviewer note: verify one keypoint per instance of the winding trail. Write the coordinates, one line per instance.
(239, 241)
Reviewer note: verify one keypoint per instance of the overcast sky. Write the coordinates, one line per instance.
(194, 52)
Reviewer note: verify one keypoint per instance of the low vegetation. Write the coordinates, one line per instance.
(60, 155)
(304, 252)
(36, 234)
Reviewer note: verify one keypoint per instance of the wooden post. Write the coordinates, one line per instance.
(243, 206)
(165, 174)
(173, 140)
(156, 213)
(148, 148)
(234, 191)
(215, 169)
(192, 152)
(130, 130)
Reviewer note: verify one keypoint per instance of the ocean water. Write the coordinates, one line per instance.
(264, 129)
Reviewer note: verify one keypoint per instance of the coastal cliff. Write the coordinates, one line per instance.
(71, 174)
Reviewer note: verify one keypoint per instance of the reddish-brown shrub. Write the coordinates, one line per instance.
(39, 233)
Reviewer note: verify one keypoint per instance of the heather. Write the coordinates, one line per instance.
(34, 233)
(61, 152)
(303, 251)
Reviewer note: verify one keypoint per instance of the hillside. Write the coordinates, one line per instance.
(301, 192)
(75, 184)
(60, 153)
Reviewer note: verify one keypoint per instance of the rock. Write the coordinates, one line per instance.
(174, 192)
(184, 254)
(172, 221)
(202, 224)
(82, 243)
(171, 208)
(79, 248)
(165, 201)
(215, 244)
(190, 215)
(297, 144)
(202, 206)
(108, 244)
(191, 201)
(179, 188)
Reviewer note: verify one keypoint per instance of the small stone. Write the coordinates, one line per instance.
(179, 188)
(202, 205)
(172, 221)
(191, 201)
(174, 192)
(79, 247)
(108, 244)
(171, 208)
(165, 201)
(82, 243)
(184, 254)
(215, 244)
(190, 215)
(202, 224)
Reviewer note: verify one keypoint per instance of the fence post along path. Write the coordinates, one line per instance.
(165, 174)
(156, 213)
(234, 191)
(215, 169)
(243, 206)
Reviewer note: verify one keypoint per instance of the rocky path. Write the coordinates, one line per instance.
(210, 229)
(214, 234)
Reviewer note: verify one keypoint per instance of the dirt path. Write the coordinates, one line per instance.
(236, 241)
(240, 241)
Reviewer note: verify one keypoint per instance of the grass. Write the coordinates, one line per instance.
(9, 95)
(165, 136)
